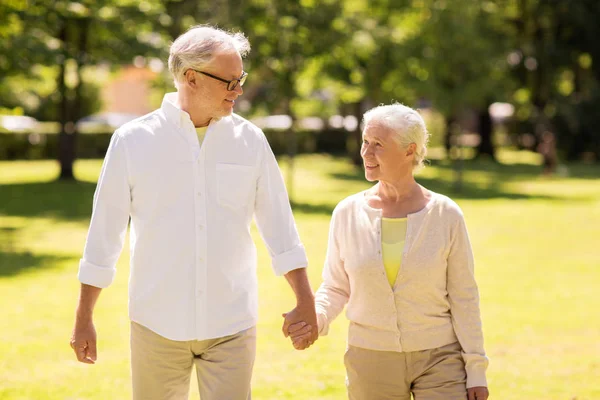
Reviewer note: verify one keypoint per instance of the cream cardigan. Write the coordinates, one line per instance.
(435, 300)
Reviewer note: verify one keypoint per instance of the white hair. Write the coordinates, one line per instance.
(407, 124)
(196, 48)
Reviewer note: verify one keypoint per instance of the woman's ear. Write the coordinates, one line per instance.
(411, 149)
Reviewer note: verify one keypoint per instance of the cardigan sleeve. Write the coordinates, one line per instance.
(334, 292)
(463, 295)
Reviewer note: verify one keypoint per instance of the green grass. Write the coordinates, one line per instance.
(536, 243)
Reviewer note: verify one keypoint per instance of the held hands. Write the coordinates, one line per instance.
(300, 325)
(478, 393)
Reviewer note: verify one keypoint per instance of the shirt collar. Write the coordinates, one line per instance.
(172, 111)
(177, 116)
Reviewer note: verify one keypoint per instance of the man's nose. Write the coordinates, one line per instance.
(238, 89)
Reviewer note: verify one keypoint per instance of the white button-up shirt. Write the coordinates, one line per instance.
(193, 261)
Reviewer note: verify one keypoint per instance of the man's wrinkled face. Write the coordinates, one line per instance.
(213, 98)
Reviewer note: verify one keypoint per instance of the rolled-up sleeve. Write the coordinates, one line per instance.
(110, 216)
(274, 217)
(464, 305)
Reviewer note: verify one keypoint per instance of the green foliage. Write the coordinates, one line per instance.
(35, 45)
(338, 56)
(555, 62)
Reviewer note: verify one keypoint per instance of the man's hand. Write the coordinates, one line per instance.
(83, 342)
(83, 339)
(478, 393)
(305, 308)
(303, 336)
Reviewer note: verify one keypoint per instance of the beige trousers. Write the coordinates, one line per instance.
(434, 374)
(161, 368)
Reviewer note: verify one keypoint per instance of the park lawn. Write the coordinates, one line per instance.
(536, 244)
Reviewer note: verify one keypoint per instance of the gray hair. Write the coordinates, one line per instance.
(407, 124)
(196, 48)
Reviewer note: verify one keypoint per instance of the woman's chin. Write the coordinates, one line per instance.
(370, 177)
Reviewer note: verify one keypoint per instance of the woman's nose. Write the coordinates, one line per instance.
(366, 150)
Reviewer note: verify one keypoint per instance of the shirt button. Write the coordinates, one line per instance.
(201, 259)
(199, 194)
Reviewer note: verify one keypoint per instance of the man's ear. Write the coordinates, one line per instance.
(191, 79)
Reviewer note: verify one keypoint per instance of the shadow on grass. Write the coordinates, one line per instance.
(513, 171)
(61, 200)
(14, 263)
(493, 188)
(519, 171)
(469, 190)
(497, 174)
(306, 208)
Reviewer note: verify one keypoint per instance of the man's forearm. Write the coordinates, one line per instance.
(88, 296)
(298, 280)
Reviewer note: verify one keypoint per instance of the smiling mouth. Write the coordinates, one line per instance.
(371, 166)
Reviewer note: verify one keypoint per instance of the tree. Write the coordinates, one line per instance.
(556, 54)
(459, 62)
(73, 35)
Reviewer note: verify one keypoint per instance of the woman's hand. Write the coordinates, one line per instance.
(300, 333)
(478, 393)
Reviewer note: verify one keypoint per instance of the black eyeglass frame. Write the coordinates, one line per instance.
(233, 82)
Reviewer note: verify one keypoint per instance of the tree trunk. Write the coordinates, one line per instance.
(81, 60)
(292, 149)
(454, 150)
(486, 146)
(448, 135)
(356, 136)
(290, 134)
(66, 139)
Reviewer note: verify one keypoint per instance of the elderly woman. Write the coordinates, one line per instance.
(399, 257)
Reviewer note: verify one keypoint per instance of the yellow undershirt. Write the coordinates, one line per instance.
(201, 133)
(393, 235)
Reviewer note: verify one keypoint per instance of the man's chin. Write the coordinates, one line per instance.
(227, 112)
(222, 114)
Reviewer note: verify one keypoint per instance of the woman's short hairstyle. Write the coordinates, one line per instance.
(407, 124)
(196, 48)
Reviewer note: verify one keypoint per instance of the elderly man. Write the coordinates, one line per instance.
(191, 175)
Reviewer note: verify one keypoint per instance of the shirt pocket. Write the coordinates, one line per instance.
(234, 185)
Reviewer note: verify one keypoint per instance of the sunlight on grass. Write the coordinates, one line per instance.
(534, 238)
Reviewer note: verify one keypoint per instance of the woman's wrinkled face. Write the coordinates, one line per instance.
(383, 157)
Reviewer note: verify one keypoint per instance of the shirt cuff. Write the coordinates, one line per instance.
(94, 275)
(290, 260)
(476, 374)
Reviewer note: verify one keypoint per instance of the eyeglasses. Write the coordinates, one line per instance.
(232, 84)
